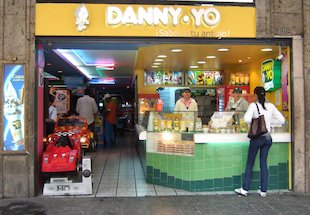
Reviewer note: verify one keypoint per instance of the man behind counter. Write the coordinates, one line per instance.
(238, 103)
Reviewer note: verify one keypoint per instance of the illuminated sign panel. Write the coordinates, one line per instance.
(13, 107)
(145, 20)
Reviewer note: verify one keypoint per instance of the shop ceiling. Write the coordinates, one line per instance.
(118, 59)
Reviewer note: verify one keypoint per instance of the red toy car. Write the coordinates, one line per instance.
(64, 147)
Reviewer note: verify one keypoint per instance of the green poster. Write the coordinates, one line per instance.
(271, 74)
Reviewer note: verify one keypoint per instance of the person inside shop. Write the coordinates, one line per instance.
(237, 103)
(186, 103)
(261, 143)
(52, 115)
(86, 107)
(110, 121)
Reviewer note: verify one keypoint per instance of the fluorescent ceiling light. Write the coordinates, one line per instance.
(159, 60)
(155, 66)
(176, 50)
(104, 68)
(266, 50)
(92, 64)
(194, 67)
(223, 49)
(156, 63)
(211, 57)
(84, 71)
(201, 62)
(162, 56)
(102, 81)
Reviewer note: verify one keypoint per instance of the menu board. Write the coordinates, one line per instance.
(163, 77)
(204, 78)
(13, 107)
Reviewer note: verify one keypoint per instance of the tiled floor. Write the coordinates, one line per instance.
(117, 172)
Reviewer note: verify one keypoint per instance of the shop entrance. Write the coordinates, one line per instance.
(133, 72)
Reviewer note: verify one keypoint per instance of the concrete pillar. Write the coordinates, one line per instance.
(17, 46)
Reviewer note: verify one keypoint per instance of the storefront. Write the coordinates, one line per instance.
(167, 25)
(202, 168)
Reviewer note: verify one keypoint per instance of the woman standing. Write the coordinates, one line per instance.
(262, 143)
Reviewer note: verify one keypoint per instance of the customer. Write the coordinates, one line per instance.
(110, 121)
(262, 143)
(86, 107)
(238, 103)
(52, 115)
(186, 103)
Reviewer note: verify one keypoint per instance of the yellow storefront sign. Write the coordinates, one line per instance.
(145, 20)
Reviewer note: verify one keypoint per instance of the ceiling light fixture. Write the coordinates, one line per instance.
(240, 61)
(176, 50)
(223, 49)
(155, 66)
(162, 56)
(266, 49)
(159, 60)
(201, 62)
(194, 67)
(211, 57)
(156, 63)
(93, 64)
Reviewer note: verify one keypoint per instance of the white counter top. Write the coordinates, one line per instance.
(236, 138)
(141, 131)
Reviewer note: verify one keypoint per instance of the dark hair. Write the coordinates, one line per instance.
(261, 93)
(237, 90)
(51, 98)
(87, 91)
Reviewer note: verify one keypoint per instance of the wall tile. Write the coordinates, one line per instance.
(13, 7)
(286, 6)
(287, 24)
(14, 37)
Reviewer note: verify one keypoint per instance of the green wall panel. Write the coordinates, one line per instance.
(216, 167)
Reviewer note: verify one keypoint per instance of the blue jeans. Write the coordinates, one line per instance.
(262, 143)
(109, 134)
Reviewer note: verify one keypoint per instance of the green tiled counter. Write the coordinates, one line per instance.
(217, 165)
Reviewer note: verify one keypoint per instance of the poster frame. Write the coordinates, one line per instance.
(5, 129)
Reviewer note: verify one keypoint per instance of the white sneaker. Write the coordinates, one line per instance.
(241, 191)
(262, 194)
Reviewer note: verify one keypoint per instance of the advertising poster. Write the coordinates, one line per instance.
(206, 78)
(13, 107)
(163, 77)
(61, 100)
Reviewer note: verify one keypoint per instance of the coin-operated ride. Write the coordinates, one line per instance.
(64, 147)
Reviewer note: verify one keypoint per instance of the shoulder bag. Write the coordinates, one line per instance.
(258, 126)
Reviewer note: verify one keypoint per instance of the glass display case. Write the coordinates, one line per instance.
(227, 122)
(174, 122)
(233, 122)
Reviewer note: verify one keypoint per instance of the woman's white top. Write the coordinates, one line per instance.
(180, 105)
(271, 114)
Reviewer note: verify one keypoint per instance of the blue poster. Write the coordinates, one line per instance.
(13, 107)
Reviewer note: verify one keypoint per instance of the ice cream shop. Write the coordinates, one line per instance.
(164, 52)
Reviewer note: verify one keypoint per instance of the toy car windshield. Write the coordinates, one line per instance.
(71, 122)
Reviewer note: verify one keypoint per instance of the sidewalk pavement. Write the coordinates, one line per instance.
(274, 203)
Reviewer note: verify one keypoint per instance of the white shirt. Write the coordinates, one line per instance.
(86, 107)
(180, 106)
(52, 113)
(271, 114)
(188, 113)
(240, 105)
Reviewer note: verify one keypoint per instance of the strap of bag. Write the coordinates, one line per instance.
(257, 108)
